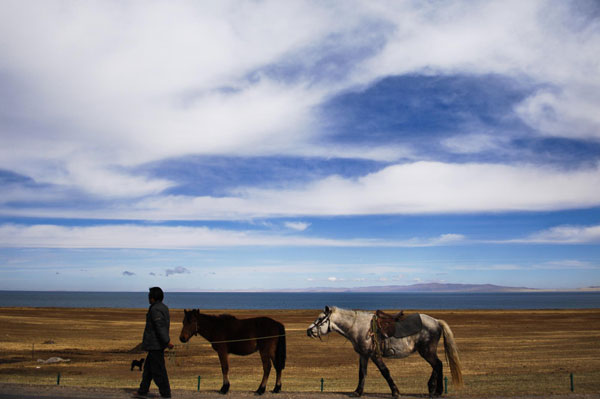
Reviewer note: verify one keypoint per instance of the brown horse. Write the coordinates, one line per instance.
(228, 334)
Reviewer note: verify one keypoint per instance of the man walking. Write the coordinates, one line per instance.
(155, 340)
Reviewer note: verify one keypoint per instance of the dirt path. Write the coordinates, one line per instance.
(17, 391)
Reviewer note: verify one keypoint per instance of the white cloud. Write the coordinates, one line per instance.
(566, 264)
(565, 235)
(493, 267)
(176, 270)
(514, 38)
(120, 85)
(572, 113)
(561, 264)
(101, 181)
(472, 143)
(432, 187)
(298, 226)
(166, 237)
(412, 188)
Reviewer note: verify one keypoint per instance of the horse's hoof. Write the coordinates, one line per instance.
(277, 389)
(260, 390)
(356, 394)
(224, 389)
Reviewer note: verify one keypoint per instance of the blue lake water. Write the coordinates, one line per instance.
(280, 300)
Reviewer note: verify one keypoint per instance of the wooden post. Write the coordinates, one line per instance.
(445, 384)
(572, 383)
(199, 383)
(322, 381)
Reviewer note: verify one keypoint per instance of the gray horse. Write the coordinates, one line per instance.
(355, 325)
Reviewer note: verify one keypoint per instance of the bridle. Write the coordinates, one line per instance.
(196, 329)
(196, 323)
(318, 324)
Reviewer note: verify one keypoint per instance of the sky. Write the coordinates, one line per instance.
(269, 145)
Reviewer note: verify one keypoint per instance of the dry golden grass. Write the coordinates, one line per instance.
(504, 353)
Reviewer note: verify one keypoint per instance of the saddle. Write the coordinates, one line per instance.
(397, 325)
(386, 322)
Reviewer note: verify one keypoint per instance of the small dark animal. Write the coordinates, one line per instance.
(137, 363)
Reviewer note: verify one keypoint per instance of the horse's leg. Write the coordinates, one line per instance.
(266, 361)
(277, 362)
(386, 374)
(436, 381)
(224, 359)
(277, 388)
(363, 362)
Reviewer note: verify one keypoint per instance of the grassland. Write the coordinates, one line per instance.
(504, 353)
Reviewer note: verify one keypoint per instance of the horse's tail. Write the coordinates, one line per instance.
(280, 350)
(452, 354)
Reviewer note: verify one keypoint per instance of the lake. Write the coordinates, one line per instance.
(283, 300)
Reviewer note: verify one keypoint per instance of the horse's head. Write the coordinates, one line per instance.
(190, 325)
(322, 325)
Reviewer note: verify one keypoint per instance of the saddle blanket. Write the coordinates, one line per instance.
(410, 325)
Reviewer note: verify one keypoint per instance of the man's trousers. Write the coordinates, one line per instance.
(155, 369)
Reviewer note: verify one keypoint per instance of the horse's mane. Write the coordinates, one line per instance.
(226, 316)
(222, 317)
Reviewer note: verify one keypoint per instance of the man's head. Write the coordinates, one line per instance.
(155, 295)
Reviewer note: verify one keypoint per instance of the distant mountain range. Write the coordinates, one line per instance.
(431, 287)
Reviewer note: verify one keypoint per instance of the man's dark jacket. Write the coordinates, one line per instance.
(156, 333)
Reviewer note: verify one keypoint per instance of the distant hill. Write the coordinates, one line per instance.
(431, 287)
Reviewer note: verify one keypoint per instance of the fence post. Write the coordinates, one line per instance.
(322, 381)
(58, 379)
(199, 383)
(572, 383)
(445, 384)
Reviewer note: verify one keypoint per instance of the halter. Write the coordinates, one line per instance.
(318, 324)
(197, 325)
(196, 330)
(196, 322)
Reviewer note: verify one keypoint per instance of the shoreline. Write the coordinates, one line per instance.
(332, 291)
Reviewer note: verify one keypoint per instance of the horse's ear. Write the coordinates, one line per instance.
(327, 309)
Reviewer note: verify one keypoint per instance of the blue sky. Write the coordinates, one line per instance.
(273, 145)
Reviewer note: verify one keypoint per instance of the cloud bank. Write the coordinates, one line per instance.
(412, 188)
(121, 85)
(164, 237)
